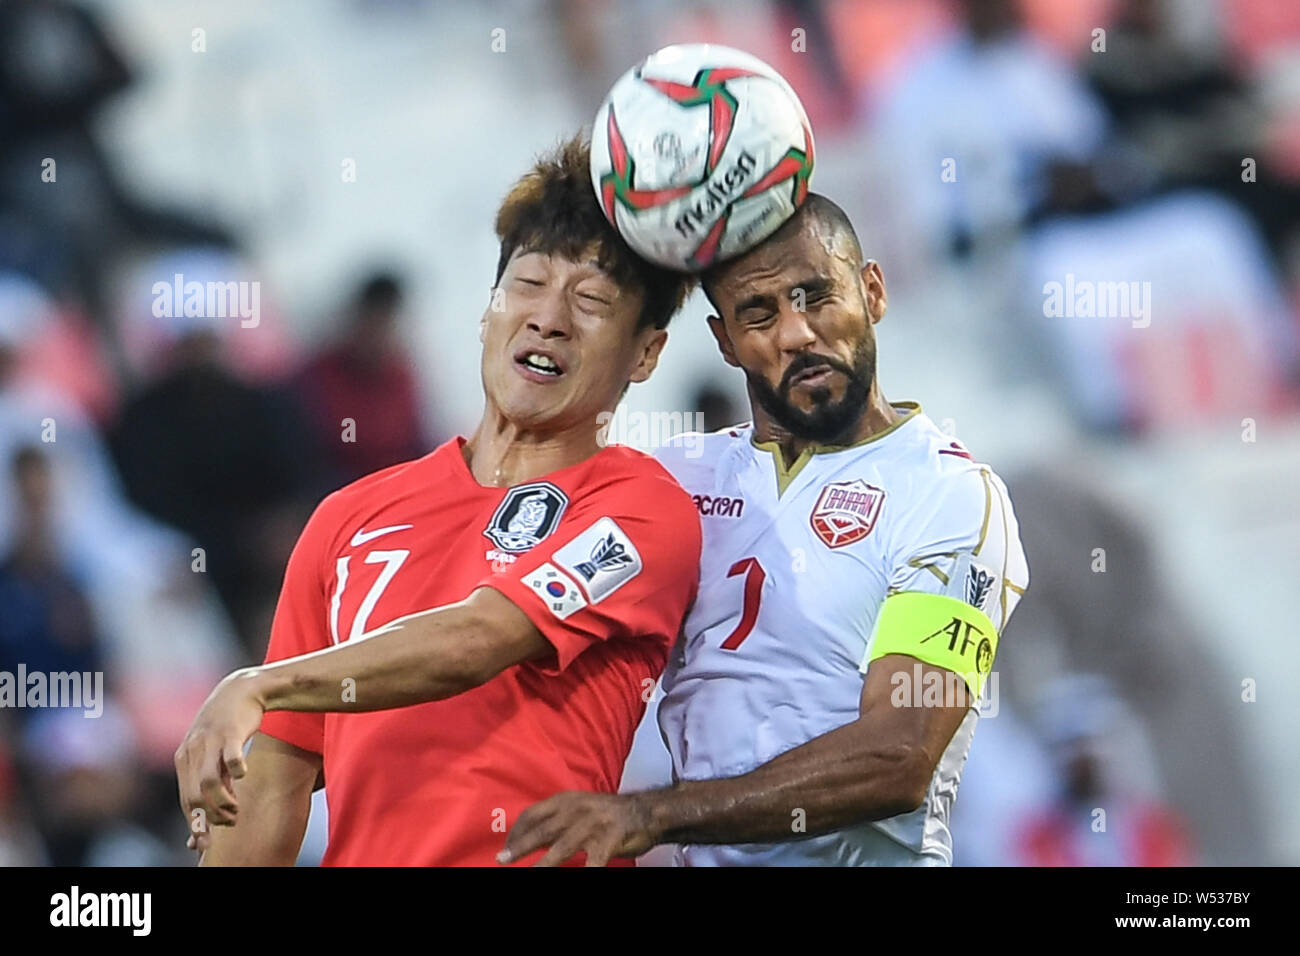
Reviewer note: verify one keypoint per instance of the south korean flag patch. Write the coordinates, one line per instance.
(602, 559)
(557, 589)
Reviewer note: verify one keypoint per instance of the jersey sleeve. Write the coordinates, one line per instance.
(963, 545)
(967, 546)
(301, 624)
(623, 564)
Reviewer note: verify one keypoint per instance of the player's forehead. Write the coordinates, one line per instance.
(801, 260)
(583, 271)
(578, 264)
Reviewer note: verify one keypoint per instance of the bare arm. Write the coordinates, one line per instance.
(878, 766)
(421, 658)
(424, 657)
(275, 797)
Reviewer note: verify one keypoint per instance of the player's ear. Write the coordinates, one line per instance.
(649, 355)
(873, 281)
(719, 330)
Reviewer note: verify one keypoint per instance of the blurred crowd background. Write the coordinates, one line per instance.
(348, 156)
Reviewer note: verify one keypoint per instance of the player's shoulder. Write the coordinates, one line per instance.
(635, 476)
(371, 492)
(927, 454)
(692, 454)
(380, 483)
(940, 479)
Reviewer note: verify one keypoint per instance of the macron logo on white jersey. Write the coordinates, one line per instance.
(361, 537)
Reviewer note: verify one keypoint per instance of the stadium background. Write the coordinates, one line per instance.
(322, 148)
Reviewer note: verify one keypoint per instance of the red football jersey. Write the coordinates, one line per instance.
(603, 556)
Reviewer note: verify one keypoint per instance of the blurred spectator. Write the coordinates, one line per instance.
(1182, 105)
(160, 624)
(1007, 777)
(65, 222)
(223, 461)
(18, 843)
(1101, 603)
(361, 392)
(47, 622)
(580, 26)
(256, 348)
(811, 17)
(1143, 342)
(983, 130)
(1095, 819)
(86, 786)
(32, 411)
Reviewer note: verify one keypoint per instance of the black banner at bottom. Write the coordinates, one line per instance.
(261, 906)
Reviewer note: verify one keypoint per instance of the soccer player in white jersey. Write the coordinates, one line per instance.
(858, 569)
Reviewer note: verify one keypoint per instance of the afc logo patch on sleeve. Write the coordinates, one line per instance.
(602, 558)
(557, 589)
(976, 584)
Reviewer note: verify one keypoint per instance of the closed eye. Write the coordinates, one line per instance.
(814, 291)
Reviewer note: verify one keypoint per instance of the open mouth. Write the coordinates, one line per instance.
(538, 365)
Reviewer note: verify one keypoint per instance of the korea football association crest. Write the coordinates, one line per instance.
(526, 515)
(846, 511)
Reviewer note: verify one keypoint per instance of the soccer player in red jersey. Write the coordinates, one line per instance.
(558, 573)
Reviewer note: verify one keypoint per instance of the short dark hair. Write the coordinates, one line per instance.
(816, 208)
(553, 210)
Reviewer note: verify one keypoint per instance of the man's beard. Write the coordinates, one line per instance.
(828, 420)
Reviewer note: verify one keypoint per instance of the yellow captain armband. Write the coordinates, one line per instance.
(939, 630)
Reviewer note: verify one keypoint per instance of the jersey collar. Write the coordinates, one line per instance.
(785, 475)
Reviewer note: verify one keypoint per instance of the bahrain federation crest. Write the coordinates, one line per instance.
(846, 511)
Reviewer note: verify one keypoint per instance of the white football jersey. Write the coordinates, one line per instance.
(795, 567)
